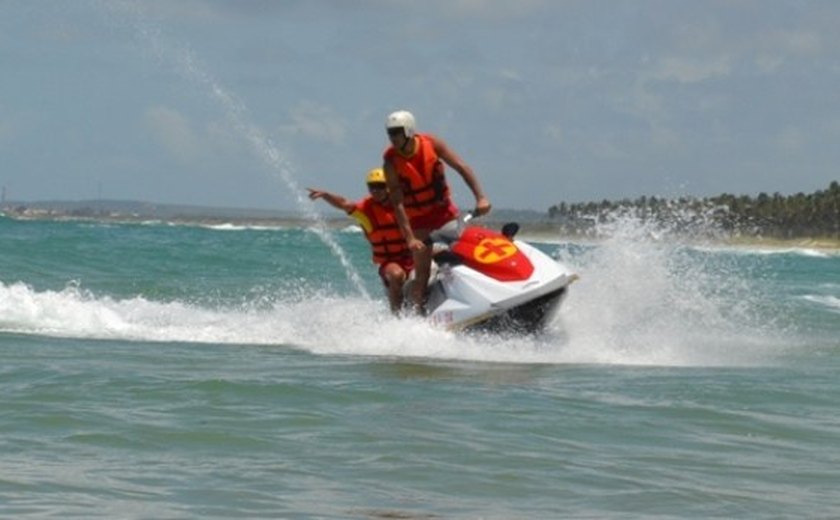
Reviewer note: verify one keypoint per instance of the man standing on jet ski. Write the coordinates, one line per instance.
(375, 215)
(419, 193)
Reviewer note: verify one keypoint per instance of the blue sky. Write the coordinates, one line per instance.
(244, 103)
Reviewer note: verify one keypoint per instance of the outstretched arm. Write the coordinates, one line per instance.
(482, 204)
(336, 201)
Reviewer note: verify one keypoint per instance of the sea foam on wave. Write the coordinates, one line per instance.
(646, 296)
(830, 302)
(643, 298)
(76, 313)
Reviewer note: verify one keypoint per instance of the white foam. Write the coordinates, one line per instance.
(227, 226)
(768, 250)
(642, 299)
(319, 324)
(622, 327)
(79, 314)
(351, 229)
(828, 301)
(646, 299)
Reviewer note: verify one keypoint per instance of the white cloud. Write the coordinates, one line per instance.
(318, 122)
(791, 140)
(5, 130)
(692, 70)
(473, 9)
(769, 63)
(189, 10)
(800, 42)
(173, 131)
(495, 9)
(555, 133)
(775, 49)
(495, 98)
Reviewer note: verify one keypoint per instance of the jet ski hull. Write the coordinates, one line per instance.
(487, 281)
(462, 299)
(530, 317)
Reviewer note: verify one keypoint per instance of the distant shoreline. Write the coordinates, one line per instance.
(535, 231)
(826, 244)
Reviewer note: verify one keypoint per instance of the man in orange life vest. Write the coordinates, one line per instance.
(413, 167)
(375, 215)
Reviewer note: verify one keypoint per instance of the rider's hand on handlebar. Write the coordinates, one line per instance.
(482, 207)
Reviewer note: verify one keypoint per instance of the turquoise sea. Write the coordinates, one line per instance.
(183, 371)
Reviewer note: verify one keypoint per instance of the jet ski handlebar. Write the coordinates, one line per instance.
(451, 231)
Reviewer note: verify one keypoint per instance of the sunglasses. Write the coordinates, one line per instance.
(376, 186)
(393, 132)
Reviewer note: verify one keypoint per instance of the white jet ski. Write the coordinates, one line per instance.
(485, 280)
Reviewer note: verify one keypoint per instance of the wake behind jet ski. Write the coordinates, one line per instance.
(486, 280)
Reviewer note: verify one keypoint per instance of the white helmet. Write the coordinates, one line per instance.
(401, 119)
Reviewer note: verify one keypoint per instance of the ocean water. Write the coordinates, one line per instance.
(174, 371)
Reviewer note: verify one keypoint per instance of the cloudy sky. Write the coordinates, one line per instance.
(243, 103)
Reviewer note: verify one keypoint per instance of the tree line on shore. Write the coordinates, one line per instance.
(801, 215)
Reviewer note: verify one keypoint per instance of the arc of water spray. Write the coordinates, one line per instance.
(185, 65)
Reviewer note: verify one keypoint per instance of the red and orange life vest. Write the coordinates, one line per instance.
(381, 229)
(421, 175)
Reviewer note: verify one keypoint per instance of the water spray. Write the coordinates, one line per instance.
(189, 68)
